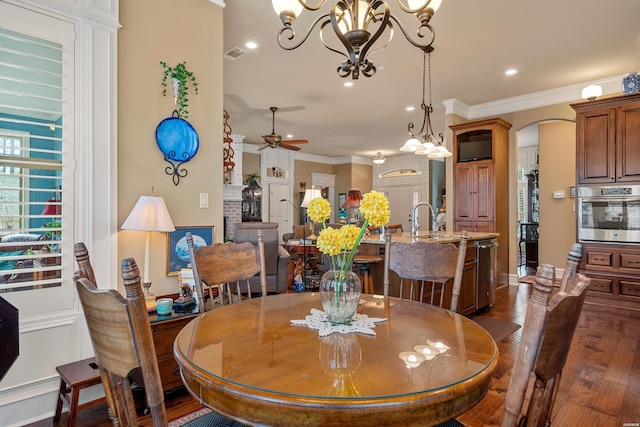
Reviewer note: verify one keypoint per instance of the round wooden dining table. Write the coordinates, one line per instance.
(421, 366)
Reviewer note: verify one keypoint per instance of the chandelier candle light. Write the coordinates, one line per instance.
(340, 287)
(357, 24)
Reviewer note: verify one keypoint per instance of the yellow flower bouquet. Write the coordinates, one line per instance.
(341, 245)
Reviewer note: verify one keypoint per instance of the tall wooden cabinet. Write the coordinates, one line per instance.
(608, 152)
(608, 140)
(481, 182)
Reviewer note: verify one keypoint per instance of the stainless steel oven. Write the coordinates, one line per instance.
(609, 214)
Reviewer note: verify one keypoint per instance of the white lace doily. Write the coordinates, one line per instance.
(361, 323)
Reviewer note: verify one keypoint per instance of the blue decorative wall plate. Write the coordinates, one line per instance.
(177, 139)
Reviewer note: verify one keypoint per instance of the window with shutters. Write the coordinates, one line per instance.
(31, 162)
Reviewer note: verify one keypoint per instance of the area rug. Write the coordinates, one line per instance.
(189, 417)
(497, 328)
(204, 417)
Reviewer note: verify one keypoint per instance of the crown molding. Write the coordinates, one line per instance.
(218, 2)
(571, 93)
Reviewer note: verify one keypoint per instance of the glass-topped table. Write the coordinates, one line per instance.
(249, 363)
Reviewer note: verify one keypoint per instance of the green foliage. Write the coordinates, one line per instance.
(53, 232)
(184, 76)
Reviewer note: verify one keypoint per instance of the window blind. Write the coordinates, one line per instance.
(31, 162)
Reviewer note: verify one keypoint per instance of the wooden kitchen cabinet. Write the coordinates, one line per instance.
(481, 180)
(475, 198)
(607, 140)
(615, 273)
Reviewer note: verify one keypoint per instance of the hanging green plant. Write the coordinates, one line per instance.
(180, 78)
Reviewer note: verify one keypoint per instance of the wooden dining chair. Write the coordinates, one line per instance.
(426, 261)
(547, 332)
(122, 341)
(85, 270)
(393, 228)
(221, 264)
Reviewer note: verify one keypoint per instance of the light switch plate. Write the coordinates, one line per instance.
(204, 200)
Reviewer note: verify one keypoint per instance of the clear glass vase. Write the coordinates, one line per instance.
(340, 295)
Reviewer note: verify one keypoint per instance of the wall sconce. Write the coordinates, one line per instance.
(591, 92)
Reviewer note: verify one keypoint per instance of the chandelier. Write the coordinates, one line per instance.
(358, 24)
(425, 142)
(379, 158)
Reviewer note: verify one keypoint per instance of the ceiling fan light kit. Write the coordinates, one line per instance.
(358, 25)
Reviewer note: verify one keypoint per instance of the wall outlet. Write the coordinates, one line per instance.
(204, 200)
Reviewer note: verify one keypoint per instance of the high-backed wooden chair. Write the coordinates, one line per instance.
(426, 261)
(221, 264)
(547, 332)
(85, 269)
(122, 341)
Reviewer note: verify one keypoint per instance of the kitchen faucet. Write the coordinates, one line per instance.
(414, 221)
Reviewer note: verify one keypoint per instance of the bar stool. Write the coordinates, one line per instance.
(73, 378)
(364, 264)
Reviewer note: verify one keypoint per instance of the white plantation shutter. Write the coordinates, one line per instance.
(31, 162)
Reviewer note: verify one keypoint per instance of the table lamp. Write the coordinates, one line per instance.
(149, 214)
(354, 196)
(309, 195)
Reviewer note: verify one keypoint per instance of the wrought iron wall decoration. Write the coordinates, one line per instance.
(179, 142)
(228, 163)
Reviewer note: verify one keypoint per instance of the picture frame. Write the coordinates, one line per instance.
(177, 251)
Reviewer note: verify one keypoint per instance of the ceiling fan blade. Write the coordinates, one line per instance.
(295, 141)
(262, 147)
(289, 147)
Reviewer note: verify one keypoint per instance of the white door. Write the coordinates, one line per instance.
(401, 201)
(279, 211)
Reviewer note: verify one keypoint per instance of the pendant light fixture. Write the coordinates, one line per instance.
(425, 142)
(379, 158)
(357, 24)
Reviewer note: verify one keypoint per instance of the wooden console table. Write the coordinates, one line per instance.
(164, 330)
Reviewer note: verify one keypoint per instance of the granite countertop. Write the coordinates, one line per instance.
(429, 236)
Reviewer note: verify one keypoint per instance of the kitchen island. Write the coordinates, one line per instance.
(479, 276)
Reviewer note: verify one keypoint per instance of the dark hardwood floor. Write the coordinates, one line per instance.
(600, 385)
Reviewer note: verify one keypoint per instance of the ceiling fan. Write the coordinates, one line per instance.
(274, 140)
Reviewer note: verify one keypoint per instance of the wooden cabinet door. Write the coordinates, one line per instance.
(595, 142)
(628, 143)
(483, 192)
(464, 187)
(467, 300)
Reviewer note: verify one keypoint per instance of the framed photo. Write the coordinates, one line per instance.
(177, 250)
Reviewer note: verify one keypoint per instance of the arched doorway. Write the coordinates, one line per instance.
(554, 156)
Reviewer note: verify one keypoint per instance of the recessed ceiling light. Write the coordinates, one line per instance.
(511, 71)
(381, 68)
(348, 84)
(410, 108)
(251, 45)
(289, 136)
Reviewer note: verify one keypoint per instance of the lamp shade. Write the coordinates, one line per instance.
(52, 207)
(354, 196)
(149, 214)
(309, 195)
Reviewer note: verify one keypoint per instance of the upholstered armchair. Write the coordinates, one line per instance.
(277, 259)
(302, 231)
